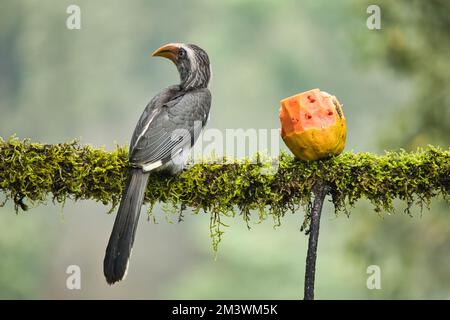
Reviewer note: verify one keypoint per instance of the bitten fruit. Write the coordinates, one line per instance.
(313, 125)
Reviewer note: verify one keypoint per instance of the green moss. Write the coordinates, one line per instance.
(29, 172)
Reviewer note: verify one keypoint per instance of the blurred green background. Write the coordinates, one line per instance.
(58, 84)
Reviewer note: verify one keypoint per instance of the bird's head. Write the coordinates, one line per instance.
(192, 63)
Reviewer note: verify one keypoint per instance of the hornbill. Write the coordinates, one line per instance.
(164, 135)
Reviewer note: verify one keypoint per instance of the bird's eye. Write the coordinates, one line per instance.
(181, 53)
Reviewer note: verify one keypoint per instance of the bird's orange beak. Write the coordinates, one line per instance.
(169, 51)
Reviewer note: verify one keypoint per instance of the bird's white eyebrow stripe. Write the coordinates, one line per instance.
(190, 54)
(194, 65)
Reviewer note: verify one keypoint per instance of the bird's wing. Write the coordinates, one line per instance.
(150, 111)
(169, 127)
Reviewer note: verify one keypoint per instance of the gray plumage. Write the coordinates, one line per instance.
(164, 135)
(122, 235)
(173, 114)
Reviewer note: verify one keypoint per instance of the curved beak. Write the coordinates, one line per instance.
(169, 51)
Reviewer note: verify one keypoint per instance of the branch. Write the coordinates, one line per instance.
(30, 172)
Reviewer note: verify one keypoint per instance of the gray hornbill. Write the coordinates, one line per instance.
(164, 135)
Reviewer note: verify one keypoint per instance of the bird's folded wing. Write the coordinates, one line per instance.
(166, 129)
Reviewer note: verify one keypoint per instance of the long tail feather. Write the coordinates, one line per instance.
(120, 243)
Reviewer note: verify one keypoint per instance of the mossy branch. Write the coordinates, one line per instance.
(30, 172)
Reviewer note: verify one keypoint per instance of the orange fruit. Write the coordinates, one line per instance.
(313, 125)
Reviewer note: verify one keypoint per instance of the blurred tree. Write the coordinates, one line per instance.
(414, 42)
